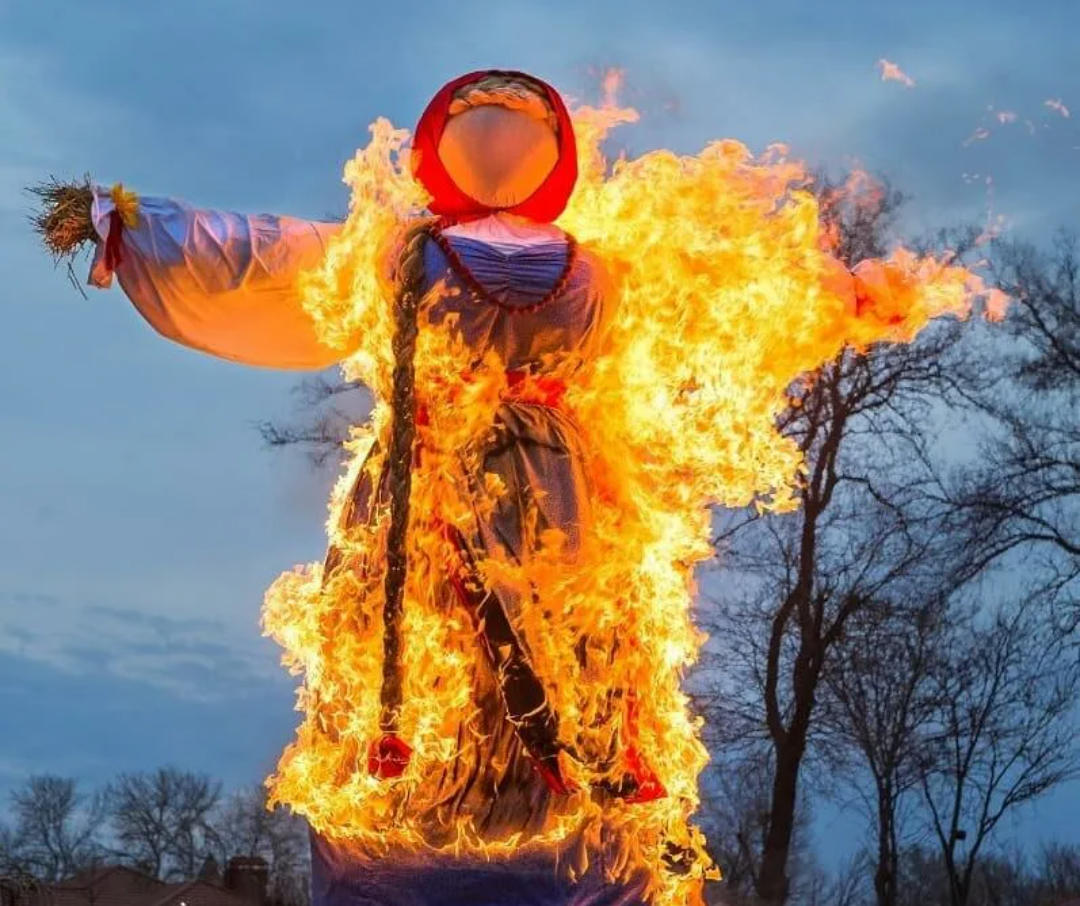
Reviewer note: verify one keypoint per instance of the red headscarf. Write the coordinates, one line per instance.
(544, 205)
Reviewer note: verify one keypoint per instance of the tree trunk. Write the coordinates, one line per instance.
(773, 883)
(885, 875)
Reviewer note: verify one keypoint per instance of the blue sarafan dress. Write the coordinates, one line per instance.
(224, 283)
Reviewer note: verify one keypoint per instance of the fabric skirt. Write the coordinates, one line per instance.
(340, 877)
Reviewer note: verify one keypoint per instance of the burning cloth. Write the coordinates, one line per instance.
(492, 648)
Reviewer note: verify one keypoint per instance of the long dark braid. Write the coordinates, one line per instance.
(410, 290)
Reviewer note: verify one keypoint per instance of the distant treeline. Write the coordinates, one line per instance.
(165, 823)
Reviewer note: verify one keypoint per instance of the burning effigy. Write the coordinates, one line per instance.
(573, 359)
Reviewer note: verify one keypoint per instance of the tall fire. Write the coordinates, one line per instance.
(726, 295)
(573, 360)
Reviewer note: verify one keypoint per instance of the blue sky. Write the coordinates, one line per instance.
(140, 517)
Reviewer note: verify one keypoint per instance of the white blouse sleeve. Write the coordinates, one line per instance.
(219, 282)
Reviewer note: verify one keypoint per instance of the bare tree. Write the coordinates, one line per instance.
(1022, 496)
(864, 533)
(843, 888)
(1003, 732)
(56, 827)
(1059, 871)
(162, 820)
(1004, 878)
(325, 410)
(922, 877)
(736, 797)
(245, 826)
(881, 701)
(1014, 876)
(19, 888)
(10, 863)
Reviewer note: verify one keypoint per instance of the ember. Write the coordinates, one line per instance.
(890, 72)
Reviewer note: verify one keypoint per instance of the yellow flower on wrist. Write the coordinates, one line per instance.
(127, 205)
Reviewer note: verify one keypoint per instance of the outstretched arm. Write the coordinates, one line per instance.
(220, 282)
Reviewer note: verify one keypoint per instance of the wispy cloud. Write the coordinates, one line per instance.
(100, 724)
(189, 657)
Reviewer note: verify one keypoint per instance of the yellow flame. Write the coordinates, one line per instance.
(726, 294)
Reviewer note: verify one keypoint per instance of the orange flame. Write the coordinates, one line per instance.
(725, 294)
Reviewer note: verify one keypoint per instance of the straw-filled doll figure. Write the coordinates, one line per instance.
(488, 718)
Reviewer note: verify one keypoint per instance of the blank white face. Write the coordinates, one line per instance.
(498, 156)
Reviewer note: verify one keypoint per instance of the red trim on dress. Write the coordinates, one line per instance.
(460, 268)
